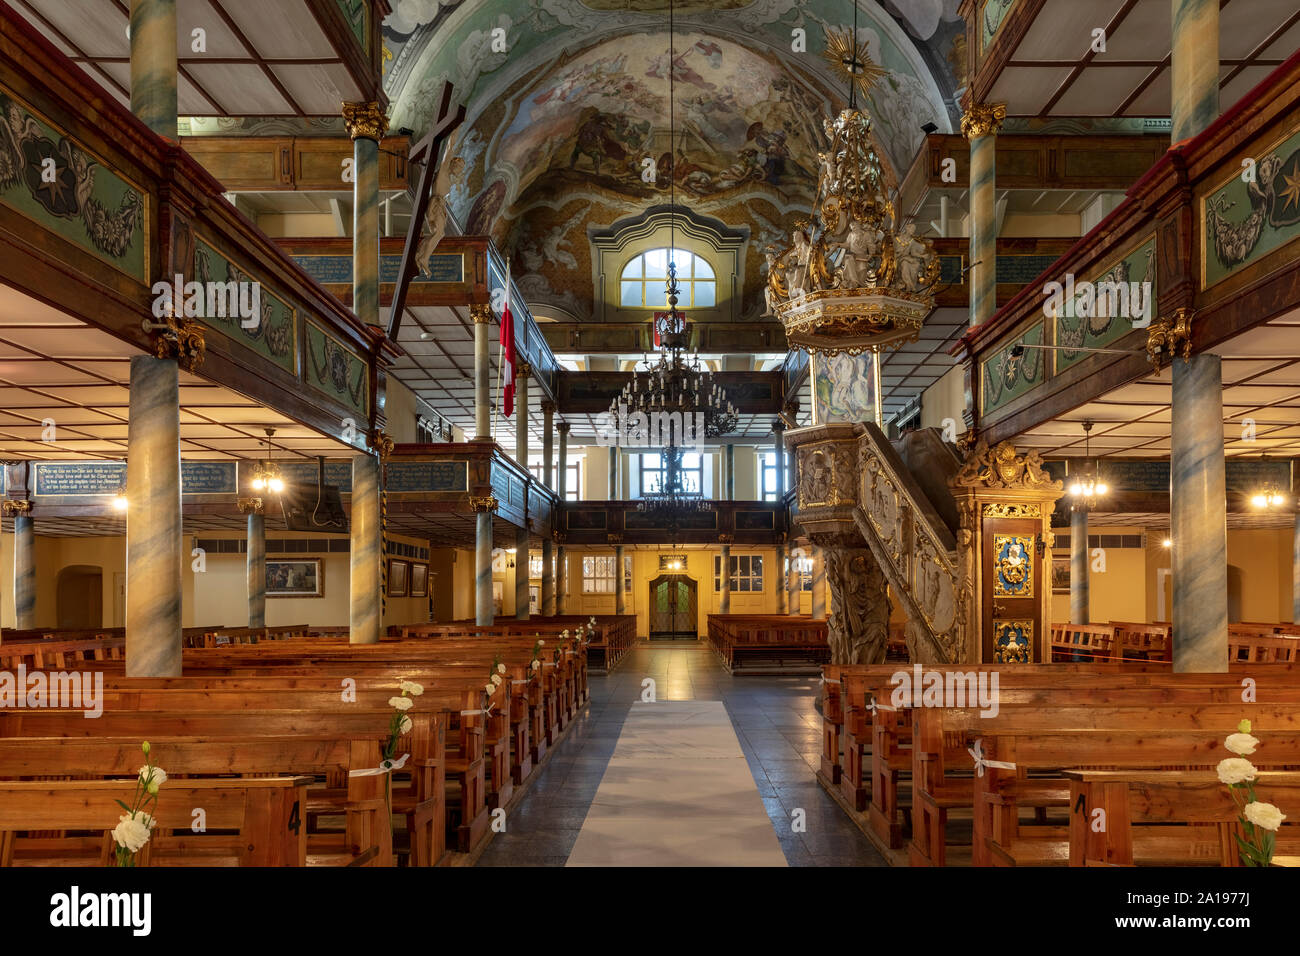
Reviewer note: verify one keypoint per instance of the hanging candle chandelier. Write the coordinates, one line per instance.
(1088, 489)
(853, 277)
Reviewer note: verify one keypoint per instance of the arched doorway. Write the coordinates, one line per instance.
(79, 592)
(674, 613)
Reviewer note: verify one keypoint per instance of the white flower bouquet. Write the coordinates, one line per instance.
(399, 724)
(136, 825)
(1259, 820)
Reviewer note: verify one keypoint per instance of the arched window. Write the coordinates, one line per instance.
(643, 282)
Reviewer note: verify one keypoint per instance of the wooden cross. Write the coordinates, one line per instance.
(426, 149)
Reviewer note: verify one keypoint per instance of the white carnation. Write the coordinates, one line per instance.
(1264, 815)
(411, 687)
(1234, 770)
(541, 643)
(401, 703)
(406, 725)
(1241, 744)
(132, 831)
(537, 665)
(501, 668)
(491, 689)
(153, 774)
(496, 679)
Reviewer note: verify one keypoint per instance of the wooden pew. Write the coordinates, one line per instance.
(1141, 805)
(1084, 642)
(771, 643)
(265, 812)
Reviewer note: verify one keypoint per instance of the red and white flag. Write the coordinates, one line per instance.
(508, 350)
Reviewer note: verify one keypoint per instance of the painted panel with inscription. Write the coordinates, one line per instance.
(50, 179)
(411, 477)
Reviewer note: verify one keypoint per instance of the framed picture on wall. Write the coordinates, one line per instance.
(419, 580)
(399, 573)
(301, 577)
(1060, 574)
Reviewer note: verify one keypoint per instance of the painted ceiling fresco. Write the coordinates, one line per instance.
(563, 123)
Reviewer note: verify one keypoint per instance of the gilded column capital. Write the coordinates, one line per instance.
(479, 503)
(16, 506)
(1167, 336)
(523, 370)
(365, 121)
(481, 314)
(179, 338)
(613, 539)
(382, 443)
(250, 506)
(982, 119)
(548, 407)
(563, 428)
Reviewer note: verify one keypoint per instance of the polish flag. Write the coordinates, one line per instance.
(508, 350)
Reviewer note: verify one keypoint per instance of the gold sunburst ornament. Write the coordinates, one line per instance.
(850, 60)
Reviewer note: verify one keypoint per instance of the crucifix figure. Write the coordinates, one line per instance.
(415, 255)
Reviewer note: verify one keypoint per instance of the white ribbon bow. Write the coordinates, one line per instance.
(471, 713)
(827, 680)
(873, 707)
(977, 752)
(385, 766)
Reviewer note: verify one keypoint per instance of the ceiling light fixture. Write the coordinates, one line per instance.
(266, 475)
(1088, 488)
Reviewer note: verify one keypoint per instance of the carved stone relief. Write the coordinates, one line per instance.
(858, 626)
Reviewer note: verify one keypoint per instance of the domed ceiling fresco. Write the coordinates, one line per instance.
(568, 111)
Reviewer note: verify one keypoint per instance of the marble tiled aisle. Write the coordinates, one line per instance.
(775, 722)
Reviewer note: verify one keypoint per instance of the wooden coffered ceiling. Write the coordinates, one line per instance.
(284, 58)
(53, 366)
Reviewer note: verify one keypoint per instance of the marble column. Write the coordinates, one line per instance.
(1295, 572)
(562, 479)
(365, 599)
(153, 64)
(778, 447)
(484, 613)
(561, 581)
(613, 473)
(521, 574)
(724, 602)
(24, 571)
(794, 585)
(1198, 517)
(482, 315)
(153, 519)
(620, 594)
(731, 473)
(256, 567)
(1079, 565)
(780, 580)
(548, 443)
(980, 124)
(522, 373)
(548, 577)
(1194, 67)
(366, 124)
(819, 585)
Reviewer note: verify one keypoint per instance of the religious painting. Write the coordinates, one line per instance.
(300, 577)
(399, 573)
(846, 388)
(419, 580)
(1013, 642)
(1061, 574)
(1013, 570)
(1117, 300)
(48, 178)
(1011, 372)
(1247, 217)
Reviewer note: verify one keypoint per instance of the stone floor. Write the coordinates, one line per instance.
(778, 729)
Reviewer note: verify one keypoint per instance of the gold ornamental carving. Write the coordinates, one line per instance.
(382, 443)
(1168, 336)
(613, 539)
(478, 503)
(523, 370)
(16, 506)
(1003, 509)
(1001, 467)
(481, 314)
(827, 475)
(250, 506)
(181, 339)
(365, 121)
(982, 119)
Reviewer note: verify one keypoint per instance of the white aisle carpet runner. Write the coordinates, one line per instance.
(677, 792)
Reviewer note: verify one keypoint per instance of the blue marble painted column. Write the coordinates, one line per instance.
(153, 64)
(523, 371)
(980, 124)
(548, 577)
(482, 315)
(819, 585)
(256, 568)
(561, 581)
(620, 593)
(548, 443)
(780, 579)
(1194, 67)
(366, 553)
(731, 473)
(366, 124)
(778, 447)
(724, 602)
(1295, 572)
(1198, 517)
(153, 519)
(24, 572)
(484, 612)
(1079, 565)
(522, 592)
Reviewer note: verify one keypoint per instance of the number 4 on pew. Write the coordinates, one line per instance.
(1098, 824)
(295, 821)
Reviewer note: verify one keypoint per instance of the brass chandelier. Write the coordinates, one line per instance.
(853, 277)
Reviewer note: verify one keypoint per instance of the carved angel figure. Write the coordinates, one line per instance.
(911, 258)
(796, 264)
(861, 247)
